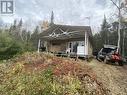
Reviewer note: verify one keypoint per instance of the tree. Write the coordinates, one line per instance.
(35, 37)
(13, 28)
(8, 46)
(103, 37)
(105, 32)
(97, 45)
(120, 6)
(113, 37)
(44, 25)
(19, 29)
(124, 39)
(52, 18)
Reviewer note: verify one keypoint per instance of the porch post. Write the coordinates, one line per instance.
(39, 42)
(46, 45)
(86, 44)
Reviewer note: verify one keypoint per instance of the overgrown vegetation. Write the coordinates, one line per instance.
(44, 74)
(109, 35)
(16, 40)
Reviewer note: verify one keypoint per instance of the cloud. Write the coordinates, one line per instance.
(72, 12)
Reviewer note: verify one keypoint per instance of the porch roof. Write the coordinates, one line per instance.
(60, 32)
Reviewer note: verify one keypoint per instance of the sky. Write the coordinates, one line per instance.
(70, 12)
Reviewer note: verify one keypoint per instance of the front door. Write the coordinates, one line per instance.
(73, 46)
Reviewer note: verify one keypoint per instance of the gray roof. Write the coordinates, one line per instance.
(76, 32)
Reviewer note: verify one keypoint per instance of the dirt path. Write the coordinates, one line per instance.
(113, 77)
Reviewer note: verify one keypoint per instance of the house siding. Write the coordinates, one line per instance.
(57, 48)
(90, 49)
(61, 46)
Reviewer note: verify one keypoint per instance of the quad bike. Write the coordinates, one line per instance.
(114, 58)
(108, 54)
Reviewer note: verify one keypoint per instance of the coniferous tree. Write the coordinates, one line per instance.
(19, 29)
(105, 32)
(35, 37)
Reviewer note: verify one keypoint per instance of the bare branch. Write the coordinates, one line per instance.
(115, 4)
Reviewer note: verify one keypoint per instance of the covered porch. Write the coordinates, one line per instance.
(69, 40)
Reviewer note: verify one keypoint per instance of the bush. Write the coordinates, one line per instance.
(10, 47)
(16, 82)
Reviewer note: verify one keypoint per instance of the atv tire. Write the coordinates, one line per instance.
(120, 63)
(105, 60)
(98, 59)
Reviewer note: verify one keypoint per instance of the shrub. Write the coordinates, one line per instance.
(10, 47)
(54, 77)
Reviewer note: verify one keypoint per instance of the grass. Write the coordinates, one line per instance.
(45, 74)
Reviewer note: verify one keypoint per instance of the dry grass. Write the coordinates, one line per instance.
(42, 74)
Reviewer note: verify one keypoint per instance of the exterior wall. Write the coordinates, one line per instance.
(76, 47)
(90, 49)
(88, 46)
(62, 46)
(57, 48)
(48, 46)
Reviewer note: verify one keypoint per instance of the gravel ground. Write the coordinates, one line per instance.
(113, 77)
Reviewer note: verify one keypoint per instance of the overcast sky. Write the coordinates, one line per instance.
(72, 12)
